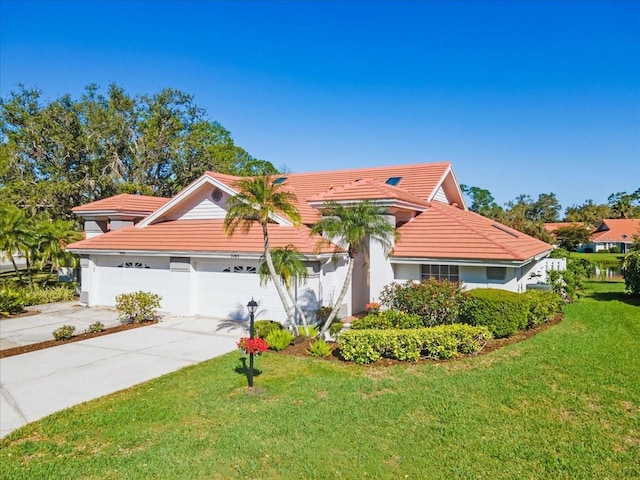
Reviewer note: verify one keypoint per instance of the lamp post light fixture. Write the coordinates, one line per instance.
(252, 306)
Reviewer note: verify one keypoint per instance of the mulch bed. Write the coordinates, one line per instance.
(9, 352)
(301, 345)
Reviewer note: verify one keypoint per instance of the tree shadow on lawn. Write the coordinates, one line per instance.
(619, 296)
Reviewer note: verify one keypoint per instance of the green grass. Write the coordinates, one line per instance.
(605, 259)
(564, 404)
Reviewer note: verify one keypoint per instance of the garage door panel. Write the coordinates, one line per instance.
(226, 293)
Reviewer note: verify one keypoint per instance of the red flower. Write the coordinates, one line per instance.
(253, 345)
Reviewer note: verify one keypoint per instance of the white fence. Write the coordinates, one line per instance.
(539, 274)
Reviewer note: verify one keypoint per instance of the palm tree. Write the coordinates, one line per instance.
(289, 267)
(52, 237)
(351, 227)
(260, 200)
(16, 234)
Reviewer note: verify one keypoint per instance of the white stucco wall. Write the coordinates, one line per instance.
(201, 287)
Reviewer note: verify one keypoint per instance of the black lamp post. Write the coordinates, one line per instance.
(252, 306)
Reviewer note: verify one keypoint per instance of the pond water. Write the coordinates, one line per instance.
(609, 273)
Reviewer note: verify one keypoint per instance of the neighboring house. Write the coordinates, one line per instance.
(180, 251)
(553, 226)
(613, 233)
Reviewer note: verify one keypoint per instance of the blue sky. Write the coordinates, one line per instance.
(522, 97)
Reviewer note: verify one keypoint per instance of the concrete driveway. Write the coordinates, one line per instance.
(34, 385)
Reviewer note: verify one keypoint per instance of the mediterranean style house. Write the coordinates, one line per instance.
(178, 249)
(618, 233)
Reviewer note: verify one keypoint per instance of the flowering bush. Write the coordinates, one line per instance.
(253, 345)
(373, 307)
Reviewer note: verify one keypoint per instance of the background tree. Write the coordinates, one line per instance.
(66, 152)
(259, 200)
(589, 213)
(350, 228)
(482, 201)
(625, 205)
(572, 236)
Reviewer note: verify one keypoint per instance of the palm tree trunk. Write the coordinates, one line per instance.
(276, 280)
(297, 307)
(343, 293)
(15, 267)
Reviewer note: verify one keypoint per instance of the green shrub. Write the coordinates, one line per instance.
(262, 328)
(501, 311)
(96, 327)
(335, 328)
(631, 272)
(65, 332)
(441, 342)
(308, 331)
(542, 306)
(137, 307)
(319, 348)
(614, 249)
(42, 296)
(437, 302)
(279, 339)
(570, 282)
(11, 302)
(388, 319)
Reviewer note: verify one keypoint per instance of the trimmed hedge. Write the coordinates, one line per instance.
(543, 306)
(388, 319)
(441, 342)
(504, 312)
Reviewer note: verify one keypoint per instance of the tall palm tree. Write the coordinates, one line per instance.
(351, 227)
(259, 200)
(289, 267)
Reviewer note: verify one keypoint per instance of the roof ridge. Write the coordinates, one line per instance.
(477, 231)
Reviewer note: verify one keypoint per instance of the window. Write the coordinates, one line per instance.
(441, 272)
(133, 265)
(393, 181)
(496, 273)
(279, 180)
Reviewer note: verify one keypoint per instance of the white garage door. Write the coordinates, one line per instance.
(224, 289)
(126, 274)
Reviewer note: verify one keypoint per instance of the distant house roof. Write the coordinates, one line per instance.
(552, 227)
(617, 230)
(123, 203)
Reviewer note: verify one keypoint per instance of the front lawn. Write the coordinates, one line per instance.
(563, 404)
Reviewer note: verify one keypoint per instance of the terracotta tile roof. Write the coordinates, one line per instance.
(124, 202)
(617, 230)
(367, 189)
(447, 232)
(199, 236)
(553, 226)
(420, 180)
